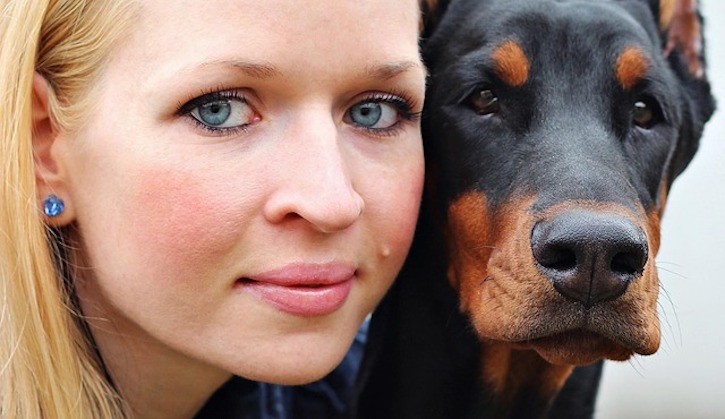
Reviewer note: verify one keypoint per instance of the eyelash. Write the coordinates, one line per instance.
(403, 104)
(221, 93)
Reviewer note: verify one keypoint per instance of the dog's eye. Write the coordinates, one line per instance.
(484, 102)
(645, 114)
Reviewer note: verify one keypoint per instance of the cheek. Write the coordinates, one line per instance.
(183, 219)
(395, 203)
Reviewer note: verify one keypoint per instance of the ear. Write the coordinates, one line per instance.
(681, 25)
(430, 14)
(49, 176)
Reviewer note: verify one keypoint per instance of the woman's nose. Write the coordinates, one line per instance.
(316, 181)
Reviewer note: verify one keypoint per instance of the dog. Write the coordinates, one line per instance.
(553, 131)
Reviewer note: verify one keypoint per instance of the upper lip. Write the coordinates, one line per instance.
(306, 274)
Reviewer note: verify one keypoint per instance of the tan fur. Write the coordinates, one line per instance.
(631, 67)
(510, 63)
(509, 371)
(667, 11)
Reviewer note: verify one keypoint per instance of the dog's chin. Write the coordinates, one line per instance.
(577, 347)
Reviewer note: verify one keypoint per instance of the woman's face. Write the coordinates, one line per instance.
(247, 182)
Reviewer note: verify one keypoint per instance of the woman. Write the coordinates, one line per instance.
(195, 191)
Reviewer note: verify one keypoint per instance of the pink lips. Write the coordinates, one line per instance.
(303, 289)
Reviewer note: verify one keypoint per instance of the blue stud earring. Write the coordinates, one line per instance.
(53, 206)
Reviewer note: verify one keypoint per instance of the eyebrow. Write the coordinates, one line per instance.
(262, 71)
(254, 70)
(388, 71)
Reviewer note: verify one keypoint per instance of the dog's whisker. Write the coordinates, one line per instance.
(484, 246)
(664, 293)
(666, 262)
(486, 279)
(636, 366)
(670, 271)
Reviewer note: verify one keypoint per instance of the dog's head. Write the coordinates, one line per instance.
(553, 132)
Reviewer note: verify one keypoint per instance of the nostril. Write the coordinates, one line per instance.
(628, 263)
(559, 258)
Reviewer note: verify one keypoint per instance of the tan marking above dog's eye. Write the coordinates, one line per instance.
(510, 63)
(484, 102)
(631, 67)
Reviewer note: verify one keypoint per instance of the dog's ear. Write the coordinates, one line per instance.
(678, 27)
(681, 26)
(430, 14)
(683, 45)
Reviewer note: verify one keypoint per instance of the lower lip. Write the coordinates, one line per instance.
(301, 300)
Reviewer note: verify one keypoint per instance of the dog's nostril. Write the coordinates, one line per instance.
(628, 263)
(589, 256)
(559, 258)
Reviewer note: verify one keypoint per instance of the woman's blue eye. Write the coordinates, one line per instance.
(214, 113)
(374, 114)
(220, 111)
(224, 113)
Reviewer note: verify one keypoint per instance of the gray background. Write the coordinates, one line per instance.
(686, 378)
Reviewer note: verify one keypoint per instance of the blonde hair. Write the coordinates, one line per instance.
(48, 365)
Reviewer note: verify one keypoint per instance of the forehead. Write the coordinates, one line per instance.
(542, 26)
(314, 35)
(532, 40)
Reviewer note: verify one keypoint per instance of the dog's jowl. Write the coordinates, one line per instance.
(553, 132)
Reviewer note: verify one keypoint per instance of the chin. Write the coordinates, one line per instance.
(578, 348)
(298, 359)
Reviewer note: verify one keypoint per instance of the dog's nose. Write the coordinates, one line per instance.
(589, 256)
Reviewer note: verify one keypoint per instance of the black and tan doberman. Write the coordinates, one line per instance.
(553, 131)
